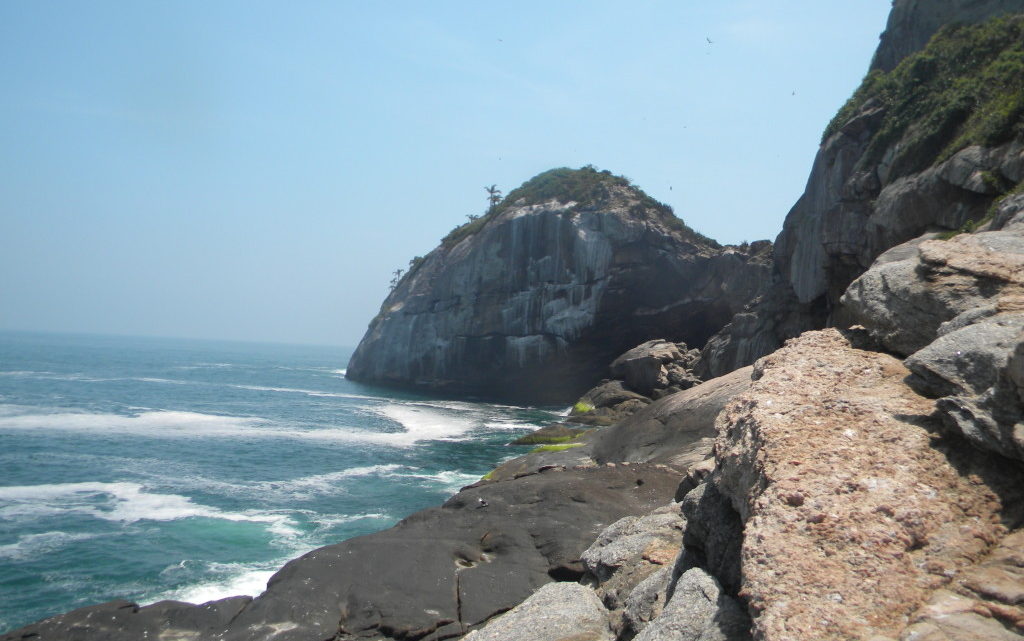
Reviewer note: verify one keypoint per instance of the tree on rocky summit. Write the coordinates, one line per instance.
(493, 197)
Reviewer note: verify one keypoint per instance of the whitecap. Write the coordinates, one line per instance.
(449, 479)
(159, 422)
(418, 422)
(422, 422)
(122, 502)
(30, 546)
(330, 520)
(502, 424)
(233, 579)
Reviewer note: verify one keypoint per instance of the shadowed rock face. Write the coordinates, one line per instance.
(534, 304)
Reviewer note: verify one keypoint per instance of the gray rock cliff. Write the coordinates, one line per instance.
(532, 301)
(927, 145)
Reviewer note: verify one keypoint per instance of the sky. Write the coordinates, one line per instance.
(256, 171)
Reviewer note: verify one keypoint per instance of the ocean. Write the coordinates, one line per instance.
(150, 469)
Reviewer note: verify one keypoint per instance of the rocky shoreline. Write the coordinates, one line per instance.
(843, 458)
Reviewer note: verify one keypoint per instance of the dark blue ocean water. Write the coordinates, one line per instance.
(146, 469)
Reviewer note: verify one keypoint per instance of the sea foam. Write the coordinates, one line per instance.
(122, 502)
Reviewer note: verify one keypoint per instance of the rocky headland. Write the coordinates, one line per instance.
(820, 439)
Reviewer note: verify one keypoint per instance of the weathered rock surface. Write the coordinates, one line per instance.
(854, 511)
(912, 22)
(957, 308)
(550, 434)
(914, 289)
(970, 369)
(631, 550)
(607, 403)
(435, 575)
(698, 610)
(556, 612)
(171, 620)
(654, 365)
(534, 304)
(672, 429)
(646, 602)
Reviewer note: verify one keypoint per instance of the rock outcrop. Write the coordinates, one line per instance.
(530, 302)
(913, 22)
(956, 308)
(906, 155)
(647, 372)
(839, 541)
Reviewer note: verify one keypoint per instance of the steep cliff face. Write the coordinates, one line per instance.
(912, 22)
(928, 146)
(531, 302)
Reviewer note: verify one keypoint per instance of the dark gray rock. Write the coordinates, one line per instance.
(606, 404)
(556, 612)
(698, 610)
(714, 534)
(653, 365)
(578, 455)
(555, 433)
(975, 371)
(534, 304)
(125, 620)
(676, 430)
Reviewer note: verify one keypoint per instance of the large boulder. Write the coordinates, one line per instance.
(918, 289)
(632, 549)
(556, 612)
(956, 308)
(532, 301)
(975, 372)
(854, 512)
(699, 610)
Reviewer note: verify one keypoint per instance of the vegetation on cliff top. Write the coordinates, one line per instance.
(587, 187)
(965, 87)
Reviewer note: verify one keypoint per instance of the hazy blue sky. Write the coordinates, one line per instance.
(257, 170)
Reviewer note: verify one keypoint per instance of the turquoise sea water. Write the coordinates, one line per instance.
(146, 469)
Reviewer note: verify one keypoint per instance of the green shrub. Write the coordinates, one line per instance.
(588, 187)
(965, 87)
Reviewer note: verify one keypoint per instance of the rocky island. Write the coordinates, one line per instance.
(817, 439)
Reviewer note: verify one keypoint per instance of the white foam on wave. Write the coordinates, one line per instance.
(449, 479)
(330, 520)
(307, 392)
(322, 483)
(232, 579)
(33, 545)
(423, 422)
(122, 502)
(159, 422)
(509, 424)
